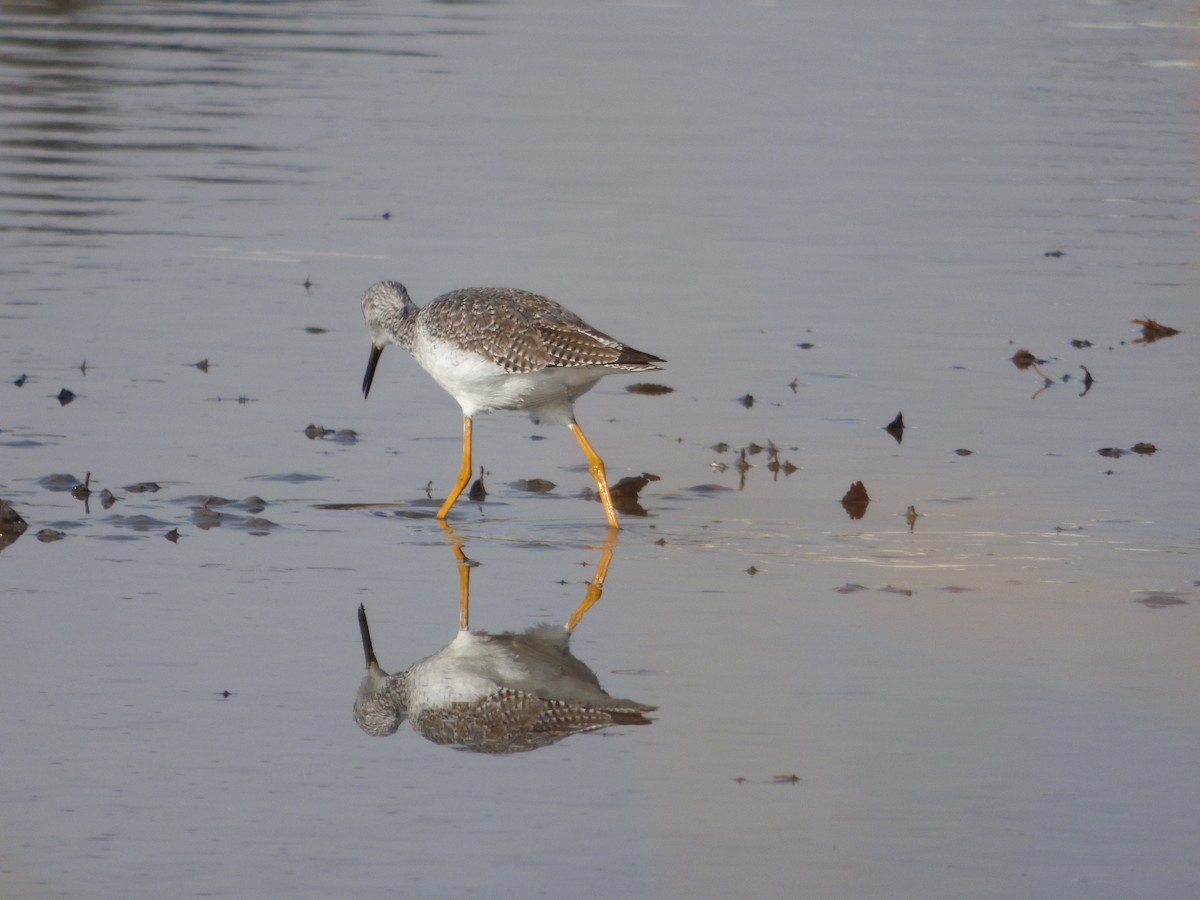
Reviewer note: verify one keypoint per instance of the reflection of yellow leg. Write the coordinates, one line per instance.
(464, 591)
(464, 576)
(596, 585)
(596, 465)
(464, 474)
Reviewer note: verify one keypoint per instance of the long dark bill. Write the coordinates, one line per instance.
(376, 352)
(365, 631)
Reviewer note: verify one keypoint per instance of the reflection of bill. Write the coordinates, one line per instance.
(494, 693)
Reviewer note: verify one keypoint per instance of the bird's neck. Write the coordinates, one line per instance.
(399, 689)
(401, 324)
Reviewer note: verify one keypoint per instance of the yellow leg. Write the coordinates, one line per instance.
(596, 585)
(464, 474)
(596, 465)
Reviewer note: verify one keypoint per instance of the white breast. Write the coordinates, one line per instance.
(480, 385)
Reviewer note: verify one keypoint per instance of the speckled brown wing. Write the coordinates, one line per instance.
(509, 721)
(525, 332)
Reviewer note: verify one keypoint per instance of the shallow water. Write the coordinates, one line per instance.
(1001, 701)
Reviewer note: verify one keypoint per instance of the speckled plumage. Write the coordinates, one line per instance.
(501, 348)
(516, 330)
(491, 693)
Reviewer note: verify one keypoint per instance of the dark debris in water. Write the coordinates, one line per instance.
(10, 519)
(533, 485)
(84, 490)
(241, 514)
(742, 463)
(254, 524)
(24, 443)
(203, 500)
(629, 487)
(205, 518)
(12, 526)
(321, 433)
(625, 493)
(649, 388)
(963, 451)
(1160, 599)
(774, 779)
(1142, 448)
(853, 588)
(138, 522)
(786, 467)
(855, 500)
(1153, 331)
(288, 477)
(142, 487)
(379, 504)
(1023, 359)
(478, 492)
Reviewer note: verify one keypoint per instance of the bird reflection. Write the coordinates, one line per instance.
(494, 693)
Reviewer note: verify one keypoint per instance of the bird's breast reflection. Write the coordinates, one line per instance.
(494, 693)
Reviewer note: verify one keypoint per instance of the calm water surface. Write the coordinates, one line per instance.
(1000, 701)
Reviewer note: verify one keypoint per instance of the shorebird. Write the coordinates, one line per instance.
(500, 348)
(491, 693)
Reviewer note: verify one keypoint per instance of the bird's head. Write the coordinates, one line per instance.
(385, 306)
(378, 706)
